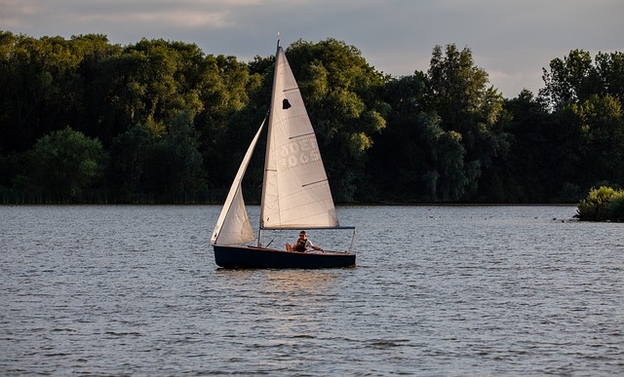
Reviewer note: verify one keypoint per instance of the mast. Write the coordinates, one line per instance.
(268, 141)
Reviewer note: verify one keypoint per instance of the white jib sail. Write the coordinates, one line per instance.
(233, 226)
(296, 193)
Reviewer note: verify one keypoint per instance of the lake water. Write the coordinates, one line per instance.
(438, 291)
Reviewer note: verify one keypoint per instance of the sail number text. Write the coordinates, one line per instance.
(298, 152)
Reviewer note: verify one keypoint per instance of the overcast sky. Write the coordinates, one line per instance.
(511, 39)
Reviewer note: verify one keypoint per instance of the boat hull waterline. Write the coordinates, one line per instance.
(259, 257)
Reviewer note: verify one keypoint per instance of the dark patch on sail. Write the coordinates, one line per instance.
(285, 104)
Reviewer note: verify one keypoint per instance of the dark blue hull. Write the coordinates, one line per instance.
(258, 257)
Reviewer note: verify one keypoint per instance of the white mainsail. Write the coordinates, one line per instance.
(295, 192)
(233, 226)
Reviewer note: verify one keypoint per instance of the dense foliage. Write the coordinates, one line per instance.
(602, 204)
(84, 120)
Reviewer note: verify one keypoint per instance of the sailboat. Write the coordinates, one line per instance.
(295, 189)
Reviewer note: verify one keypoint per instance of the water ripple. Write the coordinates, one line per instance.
(453, 291)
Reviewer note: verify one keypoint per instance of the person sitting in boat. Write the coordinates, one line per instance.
(302, 244)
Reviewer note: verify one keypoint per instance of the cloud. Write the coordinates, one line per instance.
(15, 13)
(175, 18)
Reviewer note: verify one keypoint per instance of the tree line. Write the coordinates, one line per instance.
(86, 121)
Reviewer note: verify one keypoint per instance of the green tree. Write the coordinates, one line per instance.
(398, 158)
(97, 115)
(532, 172)
(602, 204)
(610, 67)
(65, 164)
(342, 97)
(39, 87)
(585, 101)
(448, 155)
(415, 159)
(159, 79)
(459, 94)
(230, 117)
(600, 123)
(173, 170)
(129, 153)
(571, 79)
